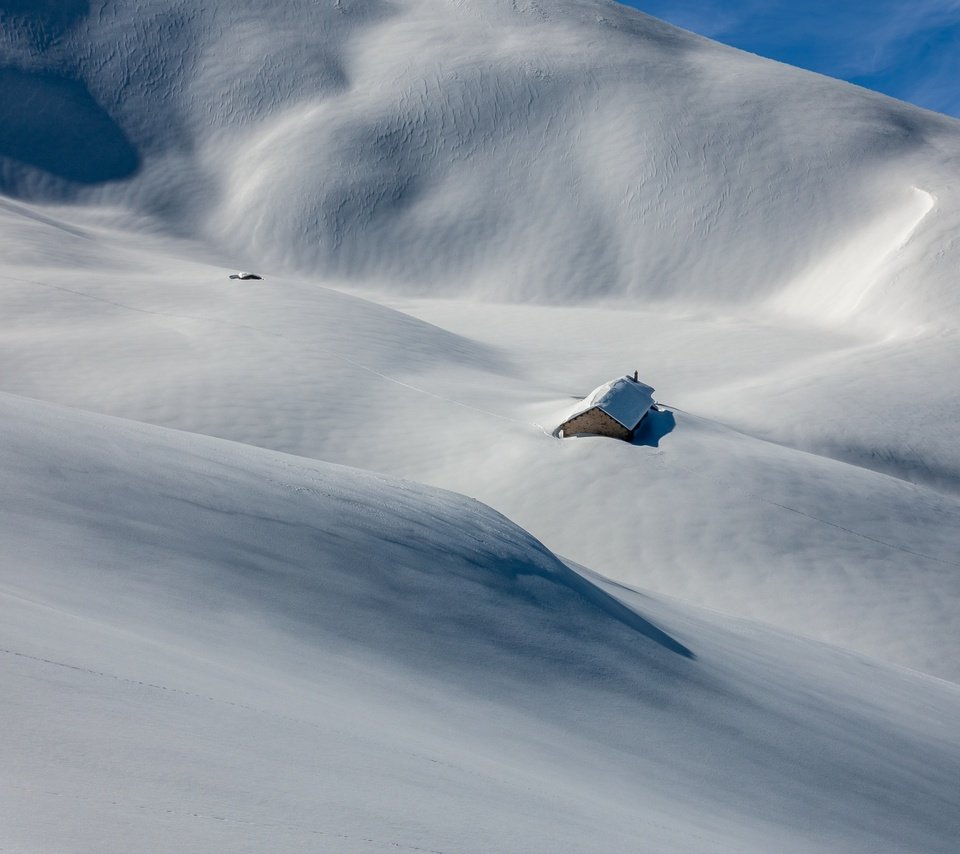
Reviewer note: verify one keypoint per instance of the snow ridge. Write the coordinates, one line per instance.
(560, 152)
(244, 617)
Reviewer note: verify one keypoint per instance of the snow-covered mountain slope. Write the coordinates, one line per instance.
(468, 213)
(466, 397)
(553, 151)
(207, 646)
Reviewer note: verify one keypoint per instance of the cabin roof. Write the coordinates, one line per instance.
(625, 400)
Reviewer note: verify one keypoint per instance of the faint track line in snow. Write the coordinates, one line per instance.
(292, 719)
(771, 502)
(839, 527)
(135, 308)
(256, 329)
(225, 819)
(124, 679)
(436, 396)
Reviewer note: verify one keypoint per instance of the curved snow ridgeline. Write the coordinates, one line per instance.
(225, 648)
(547, 151)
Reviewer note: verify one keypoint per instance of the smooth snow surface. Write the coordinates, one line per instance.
(208, 646)
(469, 214)
(730, 511)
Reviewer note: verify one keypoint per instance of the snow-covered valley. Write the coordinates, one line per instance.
(237, 611)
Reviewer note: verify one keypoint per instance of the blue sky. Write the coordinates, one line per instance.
(909, 49)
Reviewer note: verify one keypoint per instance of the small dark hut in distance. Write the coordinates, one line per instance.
(614, 409)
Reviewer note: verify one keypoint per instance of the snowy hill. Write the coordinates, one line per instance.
(226, 636)
(211, 646)
(552, 151)
(716, 516)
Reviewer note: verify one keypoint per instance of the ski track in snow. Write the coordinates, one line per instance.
(665, 461)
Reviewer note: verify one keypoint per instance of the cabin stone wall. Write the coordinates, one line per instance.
(596, 422)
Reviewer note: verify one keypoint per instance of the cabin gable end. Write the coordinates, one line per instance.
(596, 422)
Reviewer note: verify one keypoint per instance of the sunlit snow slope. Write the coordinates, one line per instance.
(207, 646)
(468, 214)
(714, 515)
(556, 150)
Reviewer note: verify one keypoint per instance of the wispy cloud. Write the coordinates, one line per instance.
(694, 15)
(883, 36)
(909, 50)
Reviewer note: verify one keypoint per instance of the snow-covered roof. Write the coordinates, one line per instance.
(625, 400)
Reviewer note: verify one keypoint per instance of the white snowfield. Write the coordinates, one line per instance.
(213, 647)
(468, 214)
(551, 151)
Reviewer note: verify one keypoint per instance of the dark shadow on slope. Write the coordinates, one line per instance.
(494, 573)
(628, 616)
(615, 608)
(53, 123)
(60, 12)
(656, 424)
(41, 22)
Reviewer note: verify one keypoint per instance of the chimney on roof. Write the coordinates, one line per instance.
(636, 378)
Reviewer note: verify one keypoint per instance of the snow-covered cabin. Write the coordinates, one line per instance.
(614, 409)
